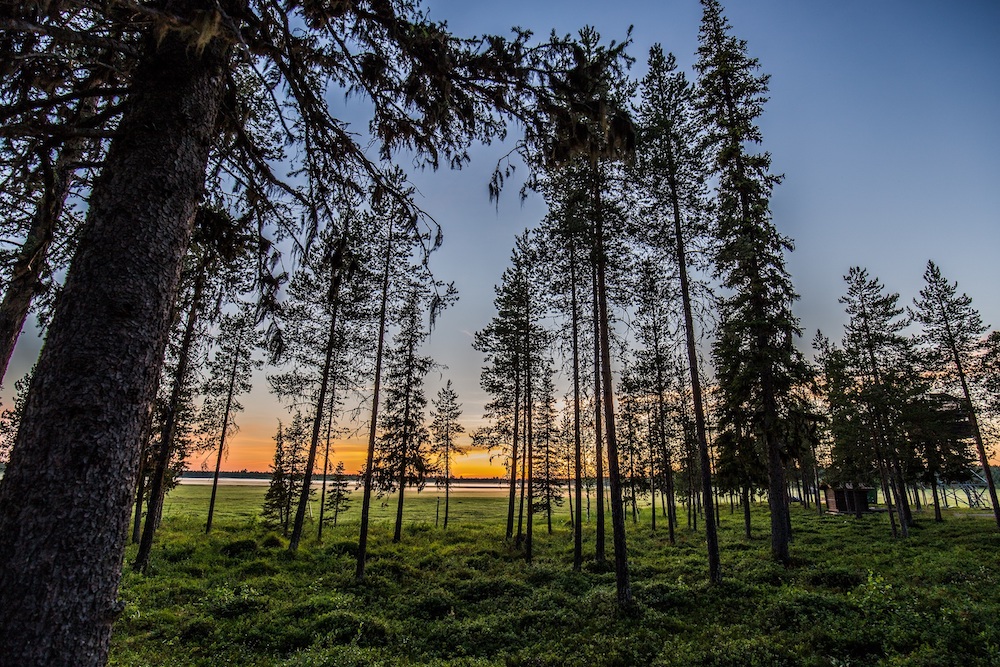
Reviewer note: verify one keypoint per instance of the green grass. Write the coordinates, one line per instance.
(852, 596)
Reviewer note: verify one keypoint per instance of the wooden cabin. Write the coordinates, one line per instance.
(847, 499)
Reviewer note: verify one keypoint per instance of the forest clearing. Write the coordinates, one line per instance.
(222, 220)
(465, 596)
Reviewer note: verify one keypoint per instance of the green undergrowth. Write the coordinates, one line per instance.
(852, 596)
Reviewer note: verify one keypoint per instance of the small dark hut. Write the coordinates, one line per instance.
(848, 499)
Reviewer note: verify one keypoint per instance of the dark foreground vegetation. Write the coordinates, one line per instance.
(852, 595)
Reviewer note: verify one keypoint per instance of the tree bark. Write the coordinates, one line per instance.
(66, 495)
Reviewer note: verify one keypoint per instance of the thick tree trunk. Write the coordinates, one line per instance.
(66, 495)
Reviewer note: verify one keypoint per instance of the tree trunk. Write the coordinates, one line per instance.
(746, 512)
(165, 449)
(397, 534)
(26, 276)
(937, 504)
(317, 425)
(222, 438)
(711, 533)
(599, 554)
(359, 570)
(514, 444)
(326, 470)
(577, 435)
(140, 496)
(66, 496)
(623, 585)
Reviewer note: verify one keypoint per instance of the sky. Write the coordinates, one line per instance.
(884, 117)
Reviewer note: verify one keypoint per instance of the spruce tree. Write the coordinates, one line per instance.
(230, 374)
(671, 163)
(952, 333)
(445, 429)
(755, 358)
(338, 496)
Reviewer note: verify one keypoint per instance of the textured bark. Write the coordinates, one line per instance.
(66, 496)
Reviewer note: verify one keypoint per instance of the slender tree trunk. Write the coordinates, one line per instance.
(333, 299)
(746, 512)
(711, 534)
(167, 433)
(599, 555)
(514, 444)
(529, 444)
(140, 497)
(519, 540)
(32, 258)
(978, 436)
(652, 483)
(577, 434)
(66, 496)
(937, 504)
(359, 570)
(447, 474)
(326, 469)
(405, 441)
(222, 438)
(624, 586)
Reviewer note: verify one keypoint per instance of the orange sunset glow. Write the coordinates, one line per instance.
(252, 449)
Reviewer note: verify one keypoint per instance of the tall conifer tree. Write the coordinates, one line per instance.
(755, 357)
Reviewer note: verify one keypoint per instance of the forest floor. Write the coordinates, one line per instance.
(465, 596)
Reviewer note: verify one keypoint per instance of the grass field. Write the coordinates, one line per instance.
(852, 596)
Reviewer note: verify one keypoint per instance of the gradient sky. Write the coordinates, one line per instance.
(884, 117)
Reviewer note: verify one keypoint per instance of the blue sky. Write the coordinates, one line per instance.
(884, 118)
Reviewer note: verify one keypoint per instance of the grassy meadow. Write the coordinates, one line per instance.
(464, 596)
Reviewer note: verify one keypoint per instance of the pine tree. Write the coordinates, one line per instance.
(445, 429)
(338, 497)
(952, 333)
(110, 326)
(755, 358)
(881, 359)
(229, 375)
(670, 160)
